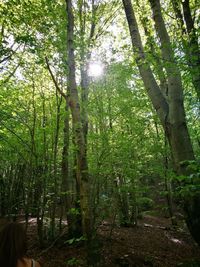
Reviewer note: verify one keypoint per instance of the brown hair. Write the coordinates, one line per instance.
(12, 244)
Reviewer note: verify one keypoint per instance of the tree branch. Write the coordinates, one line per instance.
(54, 80)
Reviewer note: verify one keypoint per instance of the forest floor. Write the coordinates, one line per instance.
(153, 243)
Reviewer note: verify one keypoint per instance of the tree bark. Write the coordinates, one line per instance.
(158, 66)
(85, 56)
(171, 110)
(81, 163)
(191, 47)
(176, 127)
(157, 98)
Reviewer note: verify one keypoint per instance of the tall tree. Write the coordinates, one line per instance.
(170, 109)
(176, 128)
(81, 162)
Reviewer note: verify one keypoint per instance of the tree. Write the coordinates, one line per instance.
(81, 162)
(171, 109)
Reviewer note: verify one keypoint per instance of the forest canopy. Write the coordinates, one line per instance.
(99, 112)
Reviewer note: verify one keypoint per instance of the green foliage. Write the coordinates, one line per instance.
(74, 211)
(126, 149)
(145, 203)
(73, 262)
(190, 184)
(74, 240)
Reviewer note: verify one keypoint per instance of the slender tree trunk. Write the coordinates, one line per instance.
(81, 166)
(157, 98)
(134, 210)
(177, 9)
(65, 163)
(122, 201)
(40, 173)
(191, 46)
(85, 54)
(158, 66)
(168, 188)
(2, 196)
(55, 151)
(74, 220)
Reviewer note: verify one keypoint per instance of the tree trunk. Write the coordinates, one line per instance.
(179, 17)
(176, 128)
(81, 163)
(122, 201)
(191, 47)
(158, 100)
(85, 55)
(55, 152)
(152, 47)
(73, 219)
(171, 112)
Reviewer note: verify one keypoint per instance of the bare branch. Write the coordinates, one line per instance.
(54, 80)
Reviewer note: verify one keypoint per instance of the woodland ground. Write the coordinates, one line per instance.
(153, 243)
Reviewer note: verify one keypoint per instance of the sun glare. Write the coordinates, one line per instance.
(95, 69)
